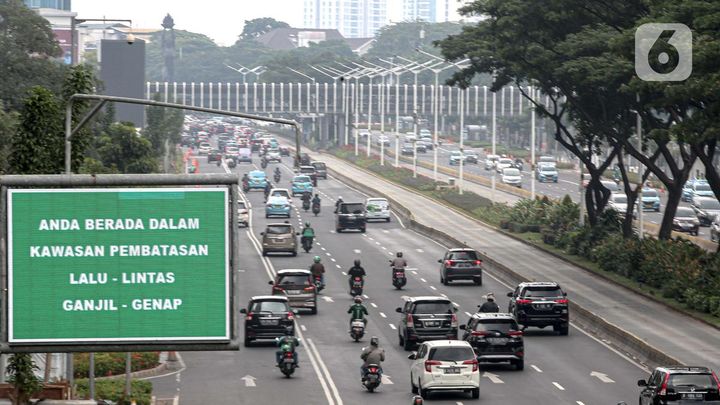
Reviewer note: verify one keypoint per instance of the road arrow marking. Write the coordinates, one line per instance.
(249, 381)
(493, 377)
(386, 379)
(602, 377)
(327, 299)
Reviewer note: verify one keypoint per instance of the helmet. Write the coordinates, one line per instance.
(307, 224)
(317, 195)
(357, 262)
(490, 297)
(399, 254)
(358, 300)
(289, 331)
(374, 341)
(316, 259)
(339, 198)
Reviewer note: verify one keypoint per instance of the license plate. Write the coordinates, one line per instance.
(693, 395)
(497, 341)
(288, 360)
(292, 292)
(452, 370)
(543, 306)
(463, 265)
(432, 323)
(267, 322)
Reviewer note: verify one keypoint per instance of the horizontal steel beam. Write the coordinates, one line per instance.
(113, 180)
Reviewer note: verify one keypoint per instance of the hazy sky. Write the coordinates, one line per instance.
(221, 20)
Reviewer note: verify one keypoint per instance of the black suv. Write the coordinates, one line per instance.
(495, 338)
(426, 318)
(267, 317)
(350, 216)
(461, 264)
(675, 385)
(540, 304)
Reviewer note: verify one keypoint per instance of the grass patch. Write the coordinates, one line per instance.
(114, 390)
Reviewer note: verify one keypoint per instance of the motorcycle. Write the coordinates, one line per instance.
(306, 205)
(357, 286)
(307, 243)
(287, 363)
(318, 283)
(316, 208)
(246, 186)
(231, 163)
(263, 163)
(372, 379)
(399, 280)
(357, 329)
(276, 177)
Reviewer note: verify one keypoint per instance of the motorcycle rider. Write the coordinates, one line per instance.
(277, 174)
(337, 204)
(398, 263)
(287, 343)
(355, 271)
(357, 311)
(316, 200)
(317, 269)
(307, 234)
(268, 188)
(306, 197)
(490, 305)
(245, 180)
(372, 354)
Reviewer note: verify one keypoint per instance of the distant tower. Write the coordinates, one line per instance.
(168, 49)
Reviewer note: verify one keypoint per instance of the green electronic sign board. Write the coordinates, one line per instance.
(136, 265)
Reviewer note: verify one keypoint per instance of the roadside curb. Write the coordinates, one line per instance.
(164, 367)
(621, 340)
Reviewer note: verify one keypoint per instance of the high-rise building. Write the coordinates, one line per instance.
(426, 10)
(353, 18)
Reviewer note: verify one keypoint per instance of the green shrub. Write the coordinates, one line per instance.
(467, 201)
(114, 390)
(107, 364)
(529, 211)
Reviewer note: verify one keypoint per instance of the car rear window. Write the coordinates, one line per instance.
(710, 204)
(307, 170)
(499, 325)
(620, 199)
(542, 292)
(301, 179)
(433, 307)
(294, 279)
(278, 229)
(702, 187)
(320, 166)
(269, 306)
(684, 212)
(451, 353)
(691, 380)
(378, 203)
(469, 255)
(356, 208)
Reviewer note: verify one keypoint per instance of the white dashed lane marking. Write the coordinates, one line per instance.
(383, 315)
(536, 368)
(558, 386)
(423, 280)
(392, 326)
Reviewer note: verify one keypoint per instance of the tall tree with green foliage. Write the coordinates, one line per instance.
(37, 146)
(78, 80)
(164, 125)
(21, 370)
(27, 51)
(8, 126)
(123, 150)
(259, 26)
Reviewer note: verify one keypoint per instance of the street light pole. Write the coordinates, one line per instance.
(532, 146)
(461, 104)
(494, 128)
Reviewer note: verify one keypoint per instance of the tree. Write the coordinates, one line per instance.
(78, 80)
(259, 26)
(164, 126)
(27, 51)
(8, 126)
(37, 146)
(301, 58)
(123, 150)
(21, 370)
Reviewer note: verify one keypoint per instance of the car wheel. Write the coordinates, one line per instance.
(267, 216)
(477, 281)
(444, 280)
(424, 392)
(519, 365)
(314, 310)
(264, 253)
(294, 253)
(362, 230)
(401, 341)
(407, 345)
(475, 392)
(338, 230)
(387, 220)
(564, 329)
(413, 388)
(248, 342)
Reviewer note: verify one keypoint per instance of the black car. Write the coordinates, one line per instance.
(461, 264)
(214, 156)
(267, 317)
(496, 338)
(284, 150)
(350, 216)
(426, 318)
(540, 304)
(680, 385)
(320, 170)
(407, 149)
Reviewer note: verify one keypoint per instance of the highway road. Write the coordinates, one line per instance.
(568, 180)
(576, 369)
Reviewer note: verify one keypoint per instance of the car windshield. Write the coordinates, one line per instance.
(500, 325)
(463, 255)
(278, 229)
(451, 353)
(620, 199)
(293, 279)
(710, 204)
(280, 193)
(454, 153)
(547, 159)
(702, 187)
(433, 307)
(691, 380)
(353, 208)
(269, 306)
(542, 292)
(684, 212)
(511, 172)
(407, 145)
(301, 179)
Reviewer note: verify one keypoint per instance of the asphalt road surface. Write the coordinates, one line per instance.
(575, 369)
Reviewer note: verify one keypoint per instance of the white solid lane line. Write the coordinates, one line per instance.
(558, 386)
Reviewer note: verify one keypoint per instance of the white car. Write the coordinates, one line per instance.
(243, 214)
(377, 208)
(383, 140)
(512, 177)
(204, 148)
(363, 134)
(444, 365)
(618, 202)
(273, 155)
(490, 161)
(503, 164)
(280, 192)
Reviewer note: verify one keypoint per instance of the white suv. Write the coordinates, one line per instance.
(440, 365)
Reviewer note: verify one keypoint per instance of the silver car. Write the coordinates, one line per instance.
(298, 286)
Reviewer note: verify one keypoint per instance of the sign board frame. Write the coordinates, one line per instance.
(228, 183)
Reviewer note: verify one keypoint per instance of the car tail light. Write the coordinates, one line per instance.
(663, 387)
(449, 263)
(562, 301)
(409, 319)
(515, 333)
(310, 288)
(290, 316)
(522, 301)
(717, 380)
(276, 288)
(249, 316)
(478, 333)
(474, 363)
(429, 364)
(478, 262)
(453, 321)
